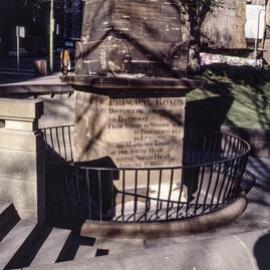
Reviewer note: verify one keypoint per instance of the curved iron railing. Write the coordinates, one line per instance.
(212, 176)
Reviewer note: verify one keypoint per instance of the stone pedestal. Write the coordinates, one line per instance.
(22, 157)
(140, 133)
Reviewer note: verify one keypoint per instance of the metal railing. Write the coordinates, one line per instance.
(58, 143)
(212, 176)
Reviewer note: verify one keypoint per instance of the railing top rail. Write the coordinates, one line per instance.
(245, 150)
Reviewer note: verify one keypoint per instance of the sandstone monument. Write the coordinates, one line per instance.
(130, 96)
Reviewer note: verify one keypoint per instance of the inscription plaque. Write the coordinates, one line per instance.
(133, 132)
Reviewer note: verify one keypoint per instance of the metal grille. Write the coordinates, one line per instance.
(212, 176)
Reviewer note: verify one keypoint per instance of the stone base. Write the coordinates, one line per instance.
(22, 158)
(166, 229)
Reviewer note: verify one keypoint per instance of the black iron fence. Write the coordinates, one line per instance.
(212, 176)
(58, 143)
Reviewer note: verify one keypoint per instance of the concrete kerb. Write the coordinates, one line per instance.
(167, 229)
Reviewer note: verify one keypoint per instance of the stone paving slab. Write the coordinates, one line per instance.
(244, 251)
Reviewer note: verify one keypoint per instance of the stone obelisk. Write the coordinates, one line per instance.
(130, 69)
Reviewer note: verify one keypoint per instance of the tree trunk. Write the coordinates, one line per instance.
(195, 45)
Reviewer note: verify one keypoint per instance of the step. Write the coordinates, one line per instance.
(115, 246)
(101, 247)
(77, 247)
(87, 249)
(16, 242)
(51, 248)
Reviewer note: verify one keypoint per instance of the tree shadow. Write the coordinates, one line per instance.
(261, 252)
(246, 86)
(208, 113)
(76, 190)
(230, 87)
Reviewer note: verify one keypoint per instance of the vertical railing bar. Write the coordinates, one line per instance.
(229, 146)
(238, 151)
(100, 195)
(208, 187)
(242, 167)
(234, 176)
(45, 137)
(216, 185)
(229, 180)
(242, 161)
(64, 142)
(169, 194)
(89, 194)
(52, 141)
(225, 165)
(159, 189)
(236, 172)
(225, 139)
(202, 169)
(57, 140)
(112, 195)
(147, 193)
(46, 144)
(232, 146)
(238, 146)
(70, 143)
(180, 192)
(135, 191)
(232, 150)
(123, 196)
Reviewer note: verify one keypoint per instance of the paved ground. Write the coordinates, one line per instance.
(53, 79)
(9, 72)
(246, 251)
(244, 244)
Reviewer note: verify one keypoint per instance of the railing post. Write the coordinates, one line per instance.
(22, 157)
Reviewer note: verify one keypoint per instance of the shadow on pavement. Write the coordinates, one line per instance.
(262, 252)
